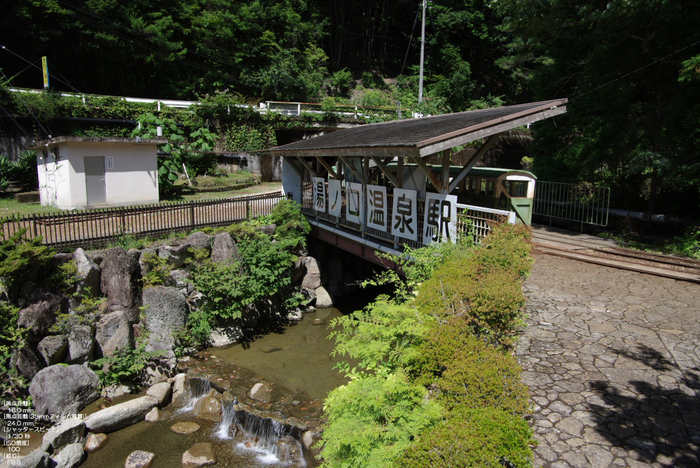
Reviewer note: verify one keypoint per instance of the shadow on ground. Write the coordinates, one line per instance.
(659, 423)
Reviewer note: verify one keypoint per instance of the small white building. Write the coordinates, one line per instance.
(85, 172)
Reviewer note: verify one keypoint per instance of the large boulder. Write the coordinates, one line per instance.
(64, 389)
(166, 310)
(88, 274)
(70, 457)
(81, 344)
(160, 391)
(41, 312)
(199, 240)
(53, 349)
(119, 416)
(312, 278)
(27, 361)
(268, 229)
(113, 332)
(209, 408)
(225, 250)
(174, 254)
(120, 282)
(201, 454)
(180, 279)
(36, 459)
(323, 299)
(66, 432)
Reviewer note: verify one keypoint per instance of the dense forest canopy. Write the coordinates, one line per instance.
(629, 67)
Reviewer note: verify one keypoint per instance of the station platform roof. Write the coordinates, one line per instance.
(420, 137)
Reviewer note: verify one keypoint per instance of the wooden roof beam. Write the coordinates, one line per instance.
(328, 168)
(428, 172)
(308, 166)
(354, 170)
(471, 162)
(385, 170)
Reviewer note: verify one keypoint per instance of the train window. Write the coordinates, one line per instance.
(473, 183)
(490, 188)
(519, 189)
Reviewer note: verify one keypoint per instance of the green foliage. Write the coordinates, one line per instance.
(687, 244)
(5, 170)
(240, 138)
(383, 335)
(199, 325)
(195, 150)
(87, 312)
(507, 247)
(10, 333)
(19, 260)
(417, 266)
(292, 227)
(129, 241)
(342, 83)
(483, 288)
(373, 420)
(126, 364)
(228, 288)
(438, 342)
(22, 171)
(155, 269)
(468, 373)
(480, 438)
(619, 63)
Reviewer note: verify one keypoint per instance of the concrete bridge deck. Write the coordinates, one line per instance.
(612, 360)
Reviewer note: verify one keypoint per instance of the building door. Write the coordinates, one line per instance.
(95, 180)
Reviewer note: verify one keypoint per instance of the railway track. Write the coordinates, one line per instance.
(606, 252)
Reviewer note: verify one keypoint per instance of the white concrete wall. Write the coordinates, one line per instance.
(291, 181)
(53, 179)
(132, 180)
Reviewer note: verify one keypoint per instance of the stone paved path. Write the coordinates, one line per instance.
(612, 359)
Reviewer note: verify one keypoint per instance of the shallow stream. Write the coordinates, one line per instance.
(293, 359)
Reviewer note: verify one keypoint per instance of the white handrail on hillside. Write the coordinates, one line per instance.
(281, 107)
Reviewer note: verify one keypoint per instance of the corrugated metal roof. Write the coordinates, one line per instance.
(428, 135)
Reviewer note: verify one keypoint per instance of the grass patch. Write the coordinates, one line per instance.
(10, 207)
(686, 244)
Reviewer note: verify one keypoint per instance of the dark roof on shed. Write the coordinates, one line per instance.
(424, 136)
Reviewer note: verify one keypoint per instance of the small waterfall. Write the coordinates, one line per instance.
(196, 388)
(272, 441)
(228, 419)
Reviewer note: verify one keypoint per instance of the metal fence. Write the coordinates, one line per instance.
(98, 227)
(582, 203)
(472, 220)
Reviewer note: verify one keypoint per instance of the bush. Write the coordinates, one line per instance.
(507, 247)
(342, 82)
(373, 420)
(468, 373)
(384, 335)
(417, 265)
(476, 438)
(482, 288)
(20, 261)
(155, 268)
(126, 364)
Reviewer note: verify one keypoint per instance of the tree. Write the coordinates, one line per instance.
(631, 123)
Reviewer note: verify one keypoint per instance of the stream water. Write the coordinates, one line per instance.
(294, 360)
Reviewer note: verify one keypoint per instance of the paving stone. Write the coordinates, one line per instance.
(610, 352)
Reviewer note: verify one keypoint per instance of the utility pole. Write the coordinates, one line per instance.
(422, 55)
